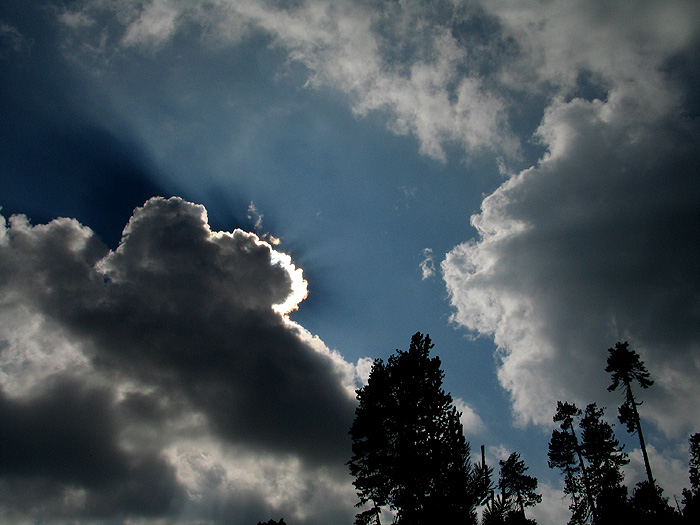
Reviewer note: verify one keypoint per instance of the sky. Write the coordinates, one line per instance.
(217, 213)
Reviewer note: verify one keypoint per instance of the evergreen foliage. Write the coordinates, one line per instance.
(565, 454)
(604, 458)
(591, 467)
(517, 491)
(626, 367)
(691, 496)
(516, 486)
(409, 450)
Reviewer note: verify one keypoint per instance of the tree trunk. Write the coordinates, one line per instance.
(638, 424)
(586, 483)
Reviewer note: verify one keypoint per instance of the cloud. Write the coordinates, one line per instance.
(612, 43)
(554, 507)
(670, 469)
(137, 382)
(427, 265)
(255, 216)
(471, 422)
(363, 369)
(403, 60)
(594, 244)
(12, 41)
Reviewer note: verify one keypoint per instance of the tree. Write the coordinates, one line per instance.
(591, 467)
(409, 450)
(691, 497)
(517, 488)
(605, 458)
(562, 455)
(648, 506)
(626, 368)
(564, 451)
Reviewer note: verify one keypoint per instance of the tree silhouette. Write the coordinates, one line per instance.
(495, 511)
(594, 482)
(626, 368)
(605, 459)
(691, 496)
(409, 451)
(649, 507)
(564, 449)
(562, 455)
(517, 488)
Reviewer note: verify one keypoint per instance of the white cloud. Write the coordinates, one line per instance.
(398, 59)
(596, 242)
(617, 42)
(554, 508)
(363, 369)
(255, 216)
(584, 250)
(670, 470)
(152, 24)
(427, 265)
(194, 397)
(471, 422)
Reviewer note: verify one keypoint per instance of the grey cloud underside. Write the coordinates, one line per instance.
(63, 439)
(175, 324)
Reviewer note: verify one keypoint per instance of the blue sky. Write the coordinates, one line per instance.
(517, 179)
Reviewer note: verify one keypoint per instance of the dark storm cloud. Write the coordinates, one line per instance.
(175, 328)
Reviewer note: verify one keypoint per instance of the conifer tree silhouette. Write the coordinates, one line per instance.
(409, 451)
(691, 496)
(591, 466)
(605, 458)
(517, 488)
(626, 367)
(564, 450)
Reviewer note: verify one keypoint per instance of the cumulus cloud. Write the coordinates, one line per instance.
(597, 242)
(160, 379)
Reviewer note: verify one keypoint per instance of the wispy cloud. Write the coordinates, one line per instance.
(427, 265)
(255, 216)
(398, 59)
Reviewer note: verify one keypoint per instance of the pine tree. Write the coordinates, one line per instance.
(409, 451)
(626, 367)
(517, 488)
(591, 466)
(605, 458)
(691, 496)
(565, 453)
(562, 455)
